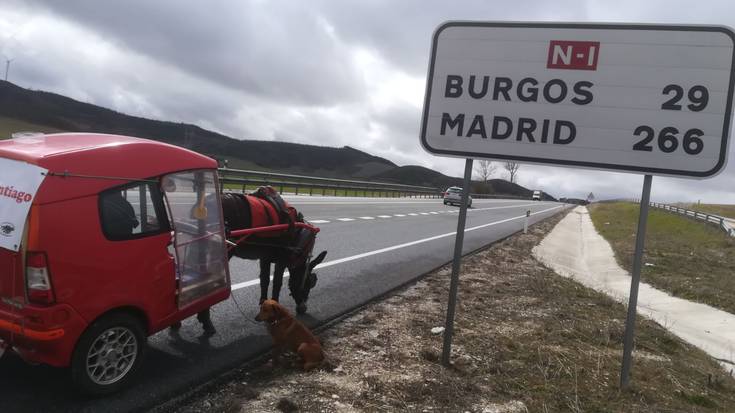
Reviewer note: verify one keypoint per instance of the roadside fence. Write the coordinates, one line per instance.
(724, 223)
(311, 185)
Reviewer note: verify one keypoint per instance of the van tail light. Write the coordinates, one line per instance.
(38, 280)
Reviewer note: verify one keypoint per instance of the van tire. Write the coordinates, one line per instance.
(125, 327)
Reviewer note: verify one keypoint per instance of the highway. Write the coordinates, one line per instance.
(374, 245)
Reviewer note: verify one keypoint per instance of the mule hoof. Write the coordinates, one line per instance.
(301, 308)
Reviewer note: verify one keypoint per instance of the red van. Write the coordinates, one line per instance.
(111, 243)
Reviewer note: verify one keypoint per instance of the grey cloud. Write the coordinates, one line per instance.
(279, 51)
(284, 70)
(401, 30)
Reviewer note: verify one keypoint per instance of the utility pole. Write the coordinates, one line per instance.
(7, 67)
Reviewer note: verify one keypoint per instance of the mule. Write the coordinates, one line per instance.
(285, 250)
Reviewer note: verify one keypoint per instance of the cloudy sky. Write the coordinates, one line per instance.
(334, 73)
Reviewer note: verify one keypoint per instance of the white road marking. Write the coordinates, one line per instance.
(434, 213)
(413, 214)
(384, 216)
(366, 218)
(395, 247)
(319, 221)
(345, 219)
(424, 213)
(399, 215)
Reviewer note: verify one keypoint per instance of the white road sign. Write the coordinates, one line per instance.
(19, 182)
(651, 99)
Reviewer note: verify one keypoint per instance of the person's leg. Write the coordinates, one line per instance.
(204, 318)
(174, 328)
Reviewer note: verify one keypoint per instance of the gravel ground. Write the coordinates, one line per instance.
(525, 340)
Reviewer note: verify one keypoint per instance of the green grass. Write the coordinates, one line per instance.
(9, 126)
(686, 258)
(722, 210)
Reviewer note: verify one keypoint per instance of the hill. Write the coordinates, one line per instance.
(47, 112)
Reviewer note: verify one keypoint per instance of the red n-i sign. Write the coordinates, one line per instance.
(567, 54)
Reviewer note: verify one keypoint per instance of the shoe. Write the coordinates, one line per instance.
(209, 329)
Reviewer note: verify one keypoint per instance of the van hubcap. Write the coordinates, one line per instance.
(112, 355)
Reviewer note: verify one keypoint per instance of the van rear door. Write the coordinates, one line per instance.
(19, 183)
(12, 289)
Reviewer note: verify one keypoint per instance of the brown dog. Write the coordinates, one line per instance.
(289, 334)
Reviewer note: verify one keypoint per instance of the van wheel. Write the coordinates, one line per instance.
(108, 354)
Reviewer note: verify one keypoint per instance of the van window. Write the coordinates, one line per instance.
(132, 211)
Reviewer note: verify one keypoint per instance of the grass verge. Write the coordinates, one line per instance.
(305, 190)
(9, 126)
(525, 340)
(683, 257)
(716, 209)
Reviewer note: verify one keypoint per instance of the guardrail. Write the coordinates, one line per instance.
(325, 186)
(720, 221)
(312, 185)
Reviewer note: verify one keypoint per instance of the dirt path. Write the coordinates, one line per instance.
(525, 340)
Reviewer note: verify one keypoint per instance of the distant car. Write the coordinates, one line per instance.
(453, 196)
(536, 196)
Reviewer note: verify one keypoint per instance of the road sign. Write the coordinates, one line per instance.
(650, 99)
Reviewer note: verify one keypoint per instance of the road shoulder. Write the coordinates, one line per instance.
(526, 339)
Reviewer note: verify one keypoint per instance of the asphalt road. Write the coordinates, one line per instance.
(374, 245)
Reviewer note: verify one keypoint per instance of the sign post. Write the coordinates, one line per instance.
(639, 98)
(456, 261)
(640, 239)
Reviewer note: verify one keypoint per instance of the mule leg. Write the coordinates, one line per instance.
(278, 279)
(265, 279)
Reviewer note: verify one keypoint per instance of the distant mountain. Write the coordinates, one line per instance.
(56, 112)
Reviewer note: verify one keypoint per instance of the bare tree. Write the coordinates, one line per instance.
(512, 168)
(484, 170)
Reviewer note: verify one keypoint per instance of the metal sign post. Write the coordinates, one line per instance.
(640, 239)
(456, 261)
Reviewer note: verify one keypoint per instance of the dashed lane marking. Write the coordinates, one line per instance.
(395, 247)
(413, 214)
